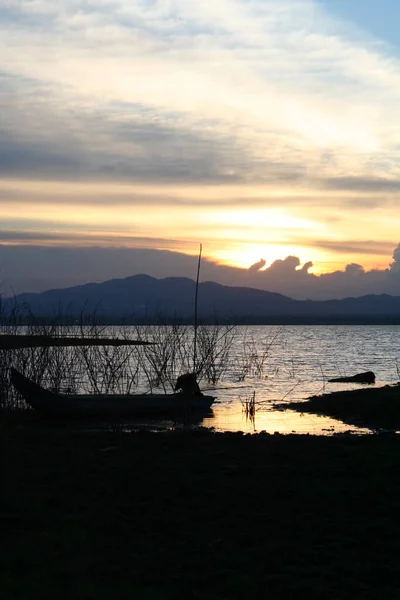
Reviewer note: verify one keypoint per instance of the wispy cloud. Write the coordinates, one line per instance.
(276, 79)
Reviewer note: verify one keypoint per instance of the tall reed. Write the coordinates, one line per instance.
(110, 369)
(173, 349)
(255, 358)
(90, 369)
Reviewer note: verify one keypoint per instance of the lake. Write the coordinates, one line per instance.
(268, 363)
(283, 363)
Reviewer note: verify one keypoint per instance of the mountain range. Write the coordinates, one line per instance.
(144, 299)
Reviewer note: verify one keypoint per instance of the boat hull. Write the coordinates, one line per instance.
(97, 405)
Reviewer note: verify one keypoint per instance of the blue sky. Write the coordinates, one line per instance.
(261, 128)
(379, 19)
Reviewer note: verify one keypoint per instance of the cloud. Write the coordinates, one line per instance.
(395, 265)
(291, 278)
(372, 247)
(232, 89)
(56, 267)
(94, 146)
(362, 184)
(258, 265)
(230, 104)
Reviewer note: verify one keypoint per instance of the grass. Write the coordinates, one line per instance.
(249, 406)
(198, 515)
(113, 369)
(374, 408)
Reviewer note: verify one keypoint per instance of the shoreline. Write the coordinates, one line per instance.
(368, 409)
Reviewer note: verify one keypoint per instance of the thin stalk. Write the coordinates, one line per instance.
(195, 311)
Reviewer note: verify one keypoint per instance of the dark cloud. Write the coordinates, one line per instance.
(395, 265)
(64, 266)
(31, 159)
(352, 247)
(27, 236)
(361, 184)
(354, 269)
(69, 239)
(307, 266)
(43, 138)
(258, 265)
(132, 198)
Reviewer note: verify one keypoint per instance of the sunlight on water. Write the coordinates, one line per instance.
(232, 419)
(294, 363)
(280, 364)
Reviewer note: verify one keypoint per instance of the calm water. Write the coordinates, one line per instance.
(293, 362)
(276, 364)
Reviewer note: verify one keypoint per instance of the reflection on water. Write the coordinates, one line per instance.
(287, 363)
(297, 364)
(233, 418)
(291, 363)
(271, 421)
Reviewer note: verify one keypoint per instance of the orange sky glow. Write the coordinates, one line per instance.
(180, 217)
(260, 129)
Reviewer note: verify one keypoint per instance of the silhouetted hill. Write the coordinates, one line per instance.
(143, 299)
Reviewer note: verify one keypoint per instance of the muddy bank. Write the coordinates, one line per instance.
(374, 408)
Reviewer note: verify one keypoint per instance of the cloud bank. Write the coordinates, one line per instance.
(38, 268)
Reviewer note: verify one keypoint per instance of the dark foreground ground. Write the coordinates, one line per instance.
(198, 515)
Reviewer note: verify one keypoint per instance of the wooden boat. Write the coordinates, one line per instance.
(99, 405)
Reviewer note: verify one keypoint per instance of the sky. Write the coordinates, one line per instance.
(267, 130)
